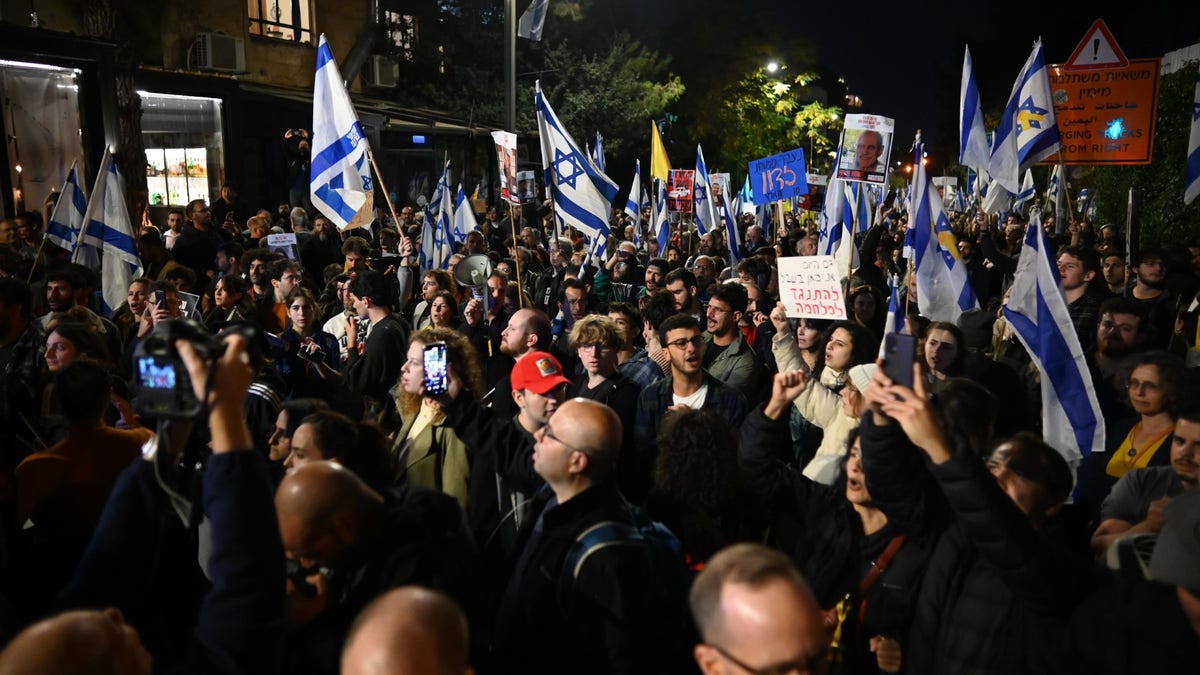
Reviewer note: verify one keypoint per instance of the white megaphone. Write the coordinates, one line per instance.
(473, 272)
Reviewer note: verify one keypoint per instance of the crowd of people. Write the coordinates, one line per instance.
(631, 463)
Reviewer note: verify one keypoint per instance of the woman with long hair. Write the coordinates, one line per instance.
(942, 351)
(443, 311)
(426, 451)
(311, 354)
(231, 302)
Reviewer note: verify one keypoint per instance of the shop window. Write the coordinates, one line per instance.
(281, 19)
(185, 148)
(39, 108)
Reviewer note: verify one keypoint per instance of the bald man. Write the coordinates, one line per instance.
(599, 618)
(756, 614)
(348, 544)
(408, 631)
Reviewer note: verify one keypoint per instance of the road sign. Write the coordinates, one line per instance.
(1098, 49)
(1106, 116)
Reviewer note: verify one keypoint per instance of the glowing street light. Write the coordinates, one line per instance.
(773, 67)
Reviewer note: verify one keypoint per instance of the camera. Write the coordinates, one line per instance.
(163, 388)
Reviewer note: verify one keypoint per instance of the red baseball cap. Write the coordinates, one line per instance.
(538, 372)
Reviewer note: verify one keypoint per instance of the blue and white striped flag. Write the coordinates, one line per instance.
(831, 217)
(434, 248)
(1192, 182)
(582, 194)
(706, 212)
(732, 236)
(960, 201)
(67, 220)
(943, 290)
(996, 199)
(1037, 313)
(464, 216)
(635, 190)
(108, 223)
(340, 174)
(973, 146)
(860, 207)
(894, 323)
(533, 21)
(598, 153)
(662, 220)
(1028, 190)
(1027, 132)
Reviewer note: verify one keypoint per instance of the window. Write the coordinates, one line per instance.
(185, 148)
(402, 32)
(39, 112)
(281, 19)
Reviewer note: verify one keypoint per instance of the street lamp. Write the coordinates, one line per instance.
(773, 67)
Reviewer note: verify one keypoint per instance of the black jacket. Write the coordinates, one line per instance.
(373, 372)
(621, 394)
(819, 529)
(608, 627)
(997, 593)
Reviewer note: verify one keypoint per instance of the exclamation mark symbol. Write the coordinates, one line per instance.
(1096, 49)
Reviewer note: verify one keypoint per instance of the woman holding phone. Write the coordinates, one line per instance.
(427, 452)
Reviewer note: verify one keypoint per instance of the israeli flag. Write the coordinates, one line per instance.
(1027, 132)
(631, 204)
(1037, 312)
(1027, 191)
(444, 234)
(108, 223)
(464, 216)
(731, 231)
(860, 207)
(662, 221)
(582, 194)
(533, 21)
(1192, 182)
(973, 146)
(996, 199)
(894, 323)
(67, 221)
(434, 243)
(746, 197)
(960, 201)
(706, 212)
(340, 176)
(943, 291)
(598, 153)
(830, 236)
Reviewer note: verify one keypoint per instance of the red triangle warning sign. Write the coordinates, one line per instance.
(1097, 50)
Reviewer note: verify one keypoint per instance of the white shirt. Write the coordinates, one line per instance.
(695, 401)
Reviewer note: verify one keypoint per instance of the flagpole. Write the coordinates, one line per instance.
(1063, 186)
(386, 195)
(512, 220)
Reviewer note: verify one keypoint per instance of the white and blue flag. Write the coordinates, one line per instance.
(464, 216)
(598, 153)
(706, 212)
(831, 218)
(582, 194)
(860, 207)
(435, 249)
(894, 323)
(943, 290)
(996, 199)
(662, 220)
(533, 21)
(973, 146)
(108, 224)
(1037, 312)
(1191, 186)
(1028, 190)
(731, 230)
(631, 205)
(66, 223)
(340, 174)
(1027, 132)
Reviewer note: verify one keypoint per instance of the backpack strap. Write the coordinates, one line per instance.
(600, 536)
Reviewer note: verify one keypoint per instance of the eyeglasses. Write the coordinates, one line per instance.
(547, 432)
(811, 664)
(713, 309)
(1139, 385)
(592, 347)
(682, 343)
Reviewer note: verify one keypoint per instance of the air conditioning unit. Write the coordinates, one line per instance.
(221, 52)
(382, 72)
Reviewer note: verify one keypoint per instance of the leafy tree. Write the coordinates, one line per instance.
(1158, 187)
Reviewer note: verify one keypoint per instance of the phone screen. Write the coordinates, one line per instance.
(898, 353)
(435, 369)
(160, 298)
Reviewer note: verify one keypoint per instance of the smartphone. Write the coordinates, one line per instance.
(160, 298)
(435, 369)
(890, 199)
(899, 351)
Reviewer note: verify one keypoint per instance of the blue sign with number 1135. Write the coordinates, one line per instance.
(779, 177)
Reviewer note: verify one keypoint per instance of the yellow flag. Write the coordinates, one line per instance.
(659, 164)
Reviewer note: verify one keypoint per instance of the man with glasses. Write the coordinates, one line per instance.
(727, 357)
(688, 386)
(756, 615)
(600, 620)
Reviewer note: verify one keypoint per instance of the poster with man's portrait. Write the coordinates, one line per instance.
(866, 148)
(506, 158)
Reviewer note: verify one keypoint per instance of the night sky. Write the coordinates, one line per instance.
(906, 63)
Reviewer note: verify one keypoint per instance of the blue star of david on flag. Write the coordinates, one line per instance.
(574, 166)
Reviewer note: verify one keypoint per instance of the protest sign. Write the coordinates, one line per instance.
(809, 287)
(679, 190)
(285, 244)
(866, 146)
(506, 156)
(779, 177)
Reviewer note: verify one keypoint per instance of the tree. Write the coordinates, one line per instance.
(1158, 187)
(761, 115)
